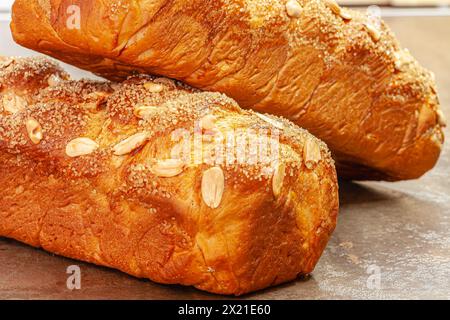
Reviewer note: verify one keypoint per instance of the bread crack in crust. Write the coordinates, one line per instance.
(82, 176)
(336, 72)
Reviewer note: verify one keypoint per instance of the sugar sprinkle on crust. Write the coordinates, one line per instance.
(176, 106)
(335, 42)
(84, 121)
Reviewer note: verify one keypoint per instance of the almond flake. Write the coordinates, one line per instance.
(153, 87)
(5, 62)
(269, 120)
(130, 144)
(168, 168)
(293, 8)
(170, 83)
(213, 185)
(346, 15)
(34, 130)
(278, 178)
(143, 111)
(311, 153)
(208, 122)
(373, 31)
(442, 121)
(333, 6)
(54, 80)
(13, 103)
(81, 147)
(437, 139)
(402, 59)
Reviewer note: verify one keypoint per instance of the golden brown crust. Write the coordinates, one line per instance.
(329, 70)
(27, 76)
(129, 210)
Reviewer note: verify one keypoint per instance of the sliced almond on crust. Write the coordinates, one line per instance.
(169, 82)
(442, 121)
(278, 179)
(293, 8)
(13, 103)
(81, 147)
(373, 31)
(438, 138)
(34, 130)
(168, 168)
(213, 185)
(5, 62)
(54, 80)
(208, 122)
(311, 153)
(153, 87)
(402, 59)
(333, 5)
(143, 111)
(130, 144)
(346, 15)
(271, 121)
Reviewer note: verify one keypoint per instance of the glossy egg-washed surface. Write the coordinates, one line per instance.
(72, 184)
(333, 71)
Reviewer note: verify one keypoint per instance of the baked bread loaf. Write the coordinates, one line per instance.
(333, 71)
(90, 171)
